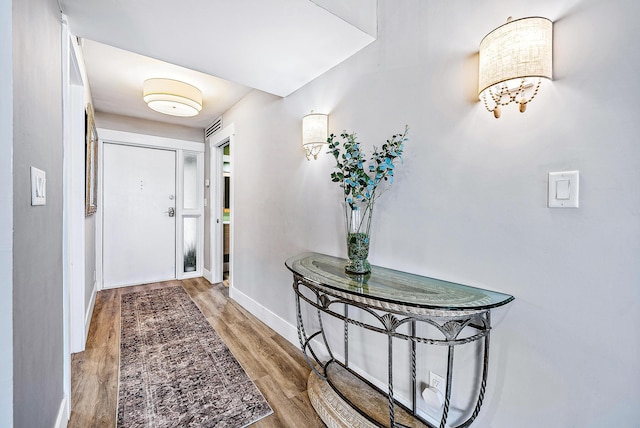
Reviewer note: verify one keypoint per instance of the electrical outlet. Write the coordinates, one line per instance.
(436, 381)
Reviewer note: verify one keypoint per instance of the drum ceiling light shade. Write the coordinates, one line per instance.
(172, 97)
(314, 133)
(513, 60)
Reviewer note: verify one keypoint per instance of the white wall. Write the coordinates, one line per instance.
(148, 127)
(6, 215)
(469, 202)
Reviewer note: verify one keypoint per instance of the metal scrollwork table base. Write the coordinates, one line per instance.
(399, 303)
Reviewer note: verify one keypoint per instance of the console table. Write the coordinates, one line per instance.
(396, 303)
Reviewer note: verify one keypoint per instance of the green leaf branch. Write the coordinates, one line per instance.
(359, 182)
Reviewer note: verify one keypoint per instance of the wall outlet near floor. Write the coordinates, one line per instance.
(433, 395)
(436, 381)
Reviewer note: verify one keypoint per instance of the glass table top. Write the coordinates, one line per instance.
(394, 286)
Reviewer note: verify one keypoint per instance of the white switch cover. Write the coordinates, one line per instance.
(38, 187)
(564, 189)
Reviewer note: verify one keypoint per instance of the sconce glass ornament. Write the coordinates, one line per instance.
(513, 60)
(314, 133)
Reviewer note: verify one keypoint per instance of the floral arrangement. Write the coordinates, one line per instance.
(360, 183)
(361, 189)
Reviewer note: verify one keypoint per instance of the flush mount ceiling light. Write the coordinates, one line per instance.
(514, 59)
(314, 133)
(172, 97)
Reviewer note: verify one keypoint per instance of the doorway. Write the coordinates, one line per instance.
(226, 212)
(139, 215)
(221, 196)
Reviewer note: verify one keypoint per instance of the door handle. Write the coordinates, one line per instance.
(171, 212)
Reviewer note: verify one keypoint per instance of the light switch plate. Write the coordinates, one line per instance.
(564, 189)
(38, 187)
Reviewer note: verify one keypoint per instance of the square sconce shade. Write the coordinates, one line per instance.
(314, 133)
(514, 58)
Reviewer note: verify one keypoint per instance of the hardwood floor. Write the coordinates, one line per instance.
(276, 366)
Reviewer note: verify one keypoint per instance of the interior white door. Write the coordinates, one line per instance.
(139, 230)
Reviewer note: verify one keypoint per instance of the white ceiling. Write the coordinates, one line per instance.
(276, 46)
(116, 77)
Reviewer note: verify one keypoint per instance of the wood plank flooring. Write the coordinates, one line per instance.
(276, 366)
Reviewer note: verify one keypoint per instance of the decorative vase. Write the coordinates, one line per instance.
(358, 223)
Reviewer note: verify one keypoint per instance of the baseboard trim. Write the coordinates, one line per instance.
(63, 416)
(207, 275)
(89, 313)
(282, 327)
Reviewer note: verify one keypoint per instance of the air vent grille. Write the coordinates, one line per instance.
(213, 128)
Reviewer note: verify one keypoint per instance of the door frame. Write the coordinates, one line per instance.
(74, 208)
(216, 195)
(146, 141)
(75, 327)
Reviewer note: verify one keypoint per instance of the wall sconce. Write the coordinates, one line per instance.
(172, 97)
(314, 133)
(514, 58)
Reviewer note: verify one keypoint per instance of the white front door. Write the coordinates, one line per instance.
(138, 227)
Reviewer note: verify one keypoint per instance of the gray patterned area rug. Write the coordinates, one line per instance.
(175, 371)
